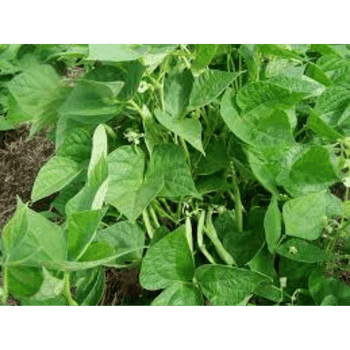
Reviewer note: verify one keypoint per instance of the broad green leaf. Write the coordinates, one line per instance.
(24, 282)
(116, 52)
(168, 164)
(51, 288)
(325, 49)
(321, 288)
(318, 74)
(269, 291)
(302, 251)
(303, 216)
(77, 145)
(235, 242)
(279, 50)
(130, 73)
(158, 234)
(273, 224)
(216, 157)
(92, 102)
(273, 131)
(24, 244)
(97, 251)
(81, 231)
(124, 236)
(38, 92)
(264, 170)
(189, 129)
(59, 301)
(179, 294)
(90, 287)
(204, 55)
(128, 191)
(311, 169)
(177, 89)
(318, 125)
(93, 193)
(211, 183)
(225, 285)
(57, 173)
(155, 133)
(283, 67)
(263, 262)
(259, 96)
(168, 261)
(6, 125)
(209, 85)
(303, 85)
(333, 107)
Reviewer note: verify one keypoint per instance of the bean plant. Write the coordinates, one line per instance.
(221, 172)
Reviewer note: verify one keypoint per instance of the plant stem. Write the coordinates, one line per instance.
(183, 143)
(66, 290)
(147, 222)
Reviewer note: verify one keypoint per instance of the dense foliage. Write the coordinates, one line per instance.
(211, 168)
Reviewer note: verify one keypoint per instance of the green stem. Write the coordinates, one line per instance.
(147, 222)
(183, 143)
(66, 290)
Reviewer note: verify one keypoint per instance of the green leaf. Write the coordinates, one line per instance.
(216, 157)
(177, 89)
(256, 97)
(24, 282)
(93, 193)
(6, 125)
(204, 55)
(273, 224)
(130, 73)
(303, 216)
(124, 236)
(81, 231)
(333, 107)
(302, 251)
(235, 242)
(189, 129)
(279, 50)
(269, 291)
(59, 301)
(128, 191)
(168, 163)
(57, 173)
(90, 287)
(38, 92)
(23, 244)
(318, 74)
(168, 261)
(208, 86)
(116, 52)
(77, 145)
(92, 102)
(97, 251)
(211, 183)
(322, 289)
(263, 262)
(309, 169)
(179, 294)
(273, 131)
(225, 285)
